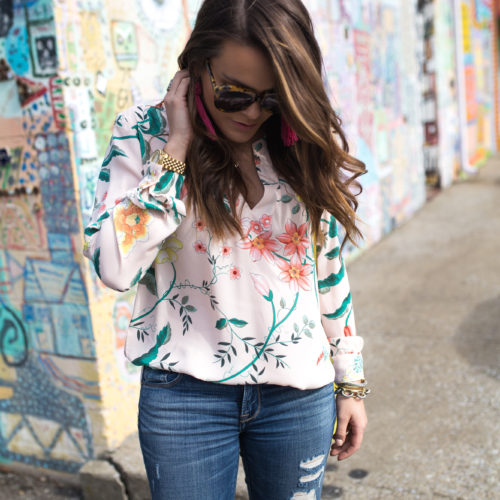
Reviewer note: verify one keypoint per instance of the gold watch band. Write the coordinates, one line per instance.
(167, 162)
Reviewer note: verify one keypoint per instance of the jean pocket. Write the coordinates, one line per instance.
(153, 377)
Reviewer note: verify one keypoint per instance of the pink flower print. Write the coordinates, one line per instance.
(226, 251)
(260, 284)
(234, 273)
(265, 220)
(295, 240)
(294, 273)
(199, 247)
(199, 225)
(261, 245)
(256, 227)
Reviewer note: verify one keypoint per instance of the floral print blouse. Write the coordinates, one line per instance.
(265, 308)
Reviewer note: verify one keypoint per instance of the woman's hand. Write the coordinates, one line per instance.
(180, 130)
(351, 423)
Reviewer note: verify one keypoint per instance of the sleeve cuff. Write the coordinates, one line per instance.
(346, 357)
(159, 190)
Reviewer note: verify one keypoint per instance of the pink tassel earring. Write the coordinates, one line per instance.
(202, 111)
(288, 135)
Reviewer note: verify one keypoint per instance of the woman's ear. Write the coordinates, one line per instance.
(202, 111)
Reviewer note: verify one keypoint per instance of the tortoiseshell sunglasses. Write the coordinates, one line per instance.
(231, 98)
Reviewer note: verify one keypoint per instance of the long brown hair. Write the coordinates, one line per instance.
(318, 167)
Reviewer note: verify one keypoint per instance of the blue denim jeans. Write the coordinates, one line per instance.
(192, 433)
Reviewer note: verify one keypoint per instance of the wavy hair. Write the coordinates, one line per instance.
(318, 167)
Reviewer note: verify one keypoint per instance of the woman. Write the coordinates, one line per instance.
(222, 204)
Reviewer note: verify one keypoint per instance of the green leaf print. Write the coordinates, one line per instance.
(162, 338)
(165, 182)
(332, 228)
(333, 279)
(156, 121)
(95, 260)
(238, 322)
(178, 186)
(295, 209)
(341, 310)
(221, 323)
(149, 281)
(332, 254)
(114, 151)
(136, 278)
(286, 198)
(104, 174)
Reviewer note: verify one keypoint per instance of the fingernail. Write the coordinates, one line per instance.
(338, 442)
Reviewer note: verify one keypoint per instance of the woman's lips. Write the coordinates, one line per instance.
(243, 125)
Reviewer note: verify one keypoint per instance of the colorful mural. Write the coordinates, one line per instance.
(441, 127)
(371, 64)
(478, 94)
(66, 69)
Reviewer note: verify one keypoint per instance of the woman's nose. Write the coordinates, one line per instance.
(253, 111)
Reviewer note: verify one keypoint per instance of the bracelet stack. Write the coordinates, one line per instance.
(356, 390)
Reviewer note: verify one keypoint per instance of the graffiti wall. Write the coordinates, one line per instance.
(372, 72)
(477, 65)
(65, 71)
(440, 111)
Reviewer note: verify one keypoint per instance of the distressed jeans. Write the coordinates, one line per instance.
(192, 433)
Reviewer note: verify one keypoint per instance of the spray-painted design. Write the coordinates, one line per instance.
(477, 66)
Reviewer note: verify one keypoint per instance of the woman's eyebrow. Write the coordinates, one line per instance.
(240, 84)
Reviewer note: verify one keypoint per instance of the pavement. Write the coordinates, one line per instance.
(427, 302)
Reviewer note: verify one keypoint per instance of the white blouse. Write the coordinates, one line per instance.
(251, 310)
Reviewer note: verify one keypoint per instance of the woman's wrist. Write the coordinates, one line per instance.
(176, 148)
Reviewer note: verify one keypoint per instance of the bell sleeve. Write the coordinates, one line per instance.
(136, 207)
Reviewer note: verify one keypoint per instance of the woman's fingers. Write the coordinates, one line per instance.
(352, 443)
(177, 110)
(173, 87)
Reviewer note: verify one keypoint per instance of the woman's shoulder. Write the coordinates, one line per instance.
(146, 118)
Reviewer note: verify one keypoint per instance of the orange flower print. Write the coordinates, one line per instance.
(295, 240)
(226, 251)
(261, 245)
(199, 247)
(234, 273)
(131, 226)
(295, 273)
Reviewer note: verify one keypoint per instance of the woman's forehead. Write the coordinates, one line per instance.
(244, 65)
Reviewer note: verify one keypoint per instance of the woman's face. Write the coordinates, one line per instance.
(244, 66)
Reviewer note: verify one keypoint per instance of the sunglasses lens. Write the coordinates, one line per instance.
(231, 101)
(271, 103)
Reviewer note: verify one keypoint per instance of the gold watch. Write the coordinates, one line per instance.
(167, 162)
